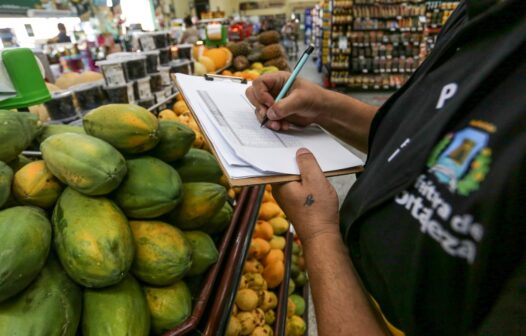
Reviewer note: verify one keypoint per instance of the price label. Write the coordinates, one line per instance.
(147, 42)
(342, 42)
(143, 89)
(114, 74)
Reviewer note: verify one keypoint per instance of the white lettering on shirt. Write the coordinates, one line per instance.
(447, 93)
(433, 213)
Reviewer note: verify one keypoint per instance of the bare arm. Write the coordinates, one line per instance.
(346, 118)
(342, 306)
(306, 103)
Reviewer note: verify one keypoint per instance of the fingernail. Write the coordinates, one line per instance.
(302, 151)
(271, 114)
(274, 125)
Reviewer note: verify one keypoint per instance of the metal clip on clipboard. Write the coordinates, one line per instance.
(210, 77)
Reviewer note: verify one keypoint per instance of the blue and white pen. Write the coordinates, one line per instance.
(285, 89)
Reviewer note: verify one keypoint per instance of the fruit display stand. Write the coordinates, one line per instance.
(281, 315)
(225, 294)
(220, 283)
(221, 311)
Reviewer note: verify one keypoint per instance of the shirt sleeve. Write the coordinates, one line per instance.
(508, 316)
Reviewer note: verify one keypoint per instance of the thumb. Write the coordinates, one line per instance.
(283, 108)
(310, 170)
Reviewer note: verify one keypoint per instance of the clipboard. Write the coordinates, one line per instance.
(249, 181)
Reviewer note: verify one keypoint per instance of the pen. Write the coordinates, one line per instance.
(285, 89)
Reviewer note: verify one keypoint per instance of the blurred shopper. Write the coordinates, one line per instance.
(62, 37)
(190, 35)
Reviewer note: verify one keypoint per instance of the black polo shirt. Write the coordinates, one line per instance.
(436, 224)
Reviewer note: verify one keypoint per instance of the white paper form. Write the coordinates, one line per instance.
(223, 105)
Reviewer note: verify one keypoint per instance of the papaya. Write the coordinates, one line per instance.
(247, 299)
(204, 252)
(175, 141)
(274, 273)
(201, 202)
(274, 256)
(6, 179)
(18, 163)
(263, 230)
(248, 322)
(295, 326)
(26, 240)
(169, 306)
(116, 310)
(278, 242)
(85, 163)
(279, 225)
(51, 305)
(152, 188)
(35, 185)
(52, 129)
(258, 248)
(234, 327)
(269, 300)
(17, 132)
(163, 254)
(253, 266)
(220, 221)
(269, 210)
(92, 239)
(129, 128)
(299, 302)
(198, 166)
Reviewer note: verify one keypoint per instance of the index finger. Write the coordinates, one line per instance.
(266, 87)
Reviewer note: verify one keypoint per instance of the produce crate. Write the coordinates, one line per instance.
(225, 295)
(283, 293)
(220, 312)
(220, 285)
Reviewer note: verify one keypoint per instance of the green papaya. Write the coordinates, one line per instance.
(129, 128)
(150, 189)
(51, 305)
(85, 163)
(92, 238)
(299, 303)
(204, 252)
(198, 166)
(169, 306)
(220, 221)
(176, 140)
(26, 240)
(163, 254)
(16, 133)
(52, 129)
(119, 310)
(201, 202)
(6, 179)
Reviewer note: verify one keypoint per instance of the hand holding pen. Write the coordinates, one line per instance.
(296, 108)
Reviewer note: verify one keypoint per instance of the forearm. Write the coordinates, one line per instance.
(346, 118)
(341, 305)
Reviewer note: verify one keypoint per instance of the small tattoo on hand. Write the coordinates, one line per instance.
(309, 200)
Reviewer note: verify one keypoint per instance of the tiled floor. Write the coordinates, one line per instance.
(342, 184)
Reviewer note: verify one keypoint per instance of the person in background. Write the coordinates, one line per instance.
(190, 35)
(62, 37)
